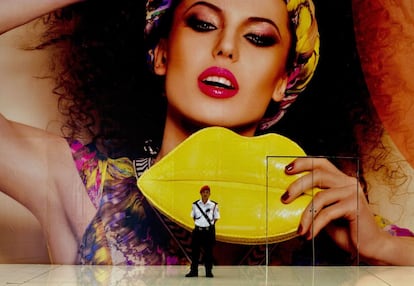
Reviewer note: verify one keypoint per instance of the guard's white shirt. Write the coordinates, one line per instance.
(210, 208)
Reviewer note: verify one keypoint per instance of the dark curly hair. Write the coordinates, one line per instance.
(101, 83)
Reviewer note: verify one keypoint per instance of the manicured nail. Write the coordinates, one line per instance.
(285, 196)
(299, 231)
(289, 167)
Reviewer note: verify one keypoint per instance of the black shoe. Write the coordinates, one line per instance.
(191, 274)
(209, 275)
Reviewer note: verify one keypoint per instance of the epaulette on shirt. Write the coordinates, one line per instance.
(210, 201)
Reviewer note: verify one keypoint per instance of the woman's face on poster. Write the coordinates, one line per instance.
(224, 61)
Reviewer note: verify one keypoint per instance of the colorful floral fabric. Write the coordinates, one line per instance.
(125, 230)
(393, 229)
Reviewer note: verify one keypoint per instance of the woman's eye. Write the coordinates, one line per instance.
(260, 40)
(200, 25)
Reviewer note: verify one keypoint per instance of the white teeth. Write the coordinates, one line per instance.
(220, 80)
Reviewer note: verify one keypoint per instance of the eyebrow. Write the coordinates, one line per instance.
(203, 3)
(266, 20)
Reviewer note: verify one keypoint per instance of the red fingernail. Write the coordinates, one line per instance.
(289, 167)
(299, 231)
(285, 196)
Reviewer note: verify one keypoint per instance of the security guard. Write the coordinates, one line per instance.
(205, 214)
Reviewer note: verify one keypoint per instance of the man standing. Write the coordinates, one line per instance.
(205, 214)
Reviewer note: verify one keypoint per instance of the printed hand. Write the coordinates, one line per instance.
(342, 198)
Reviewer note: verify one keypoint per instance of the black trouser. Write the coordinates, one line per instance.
(202, 238)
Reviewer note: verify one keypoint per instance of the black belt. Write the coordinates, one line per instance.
(201, 228)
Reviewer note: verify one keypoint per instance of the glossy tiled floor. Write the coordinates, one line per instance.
(24, 274)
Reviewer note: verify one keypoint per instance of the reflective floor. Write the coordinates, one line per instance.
(33, 274)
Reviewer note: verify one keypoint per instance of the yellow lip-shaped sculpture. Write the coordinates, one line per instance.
(246, 177)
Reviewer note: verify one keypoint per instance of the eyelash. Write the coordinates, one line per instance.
(199, 25)
(261, 40)
(258, 40)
